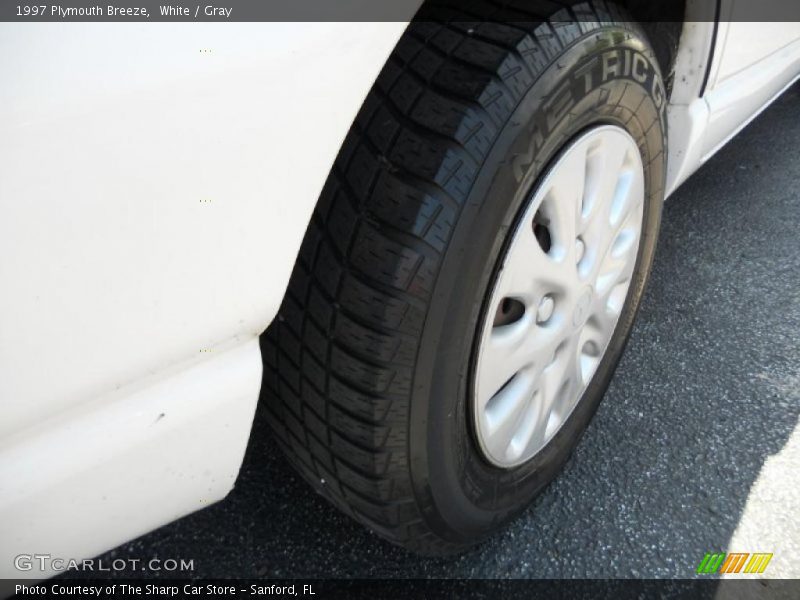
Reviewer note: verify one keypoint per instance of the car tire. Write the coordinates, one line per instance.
(369, 381)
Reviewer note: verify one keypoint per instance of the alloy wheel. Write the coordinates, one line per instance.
(558, 296)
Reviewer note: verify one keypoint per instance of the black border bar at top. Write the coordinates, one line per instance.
(379, 10)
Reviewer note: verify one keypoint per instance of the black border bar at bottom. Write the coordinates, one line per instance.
(322, 589)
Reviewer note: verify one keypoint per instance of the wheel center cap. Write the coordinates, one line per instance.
(581, 310)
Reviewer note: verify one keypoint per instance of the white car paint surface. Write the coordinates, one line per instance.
(156, 181)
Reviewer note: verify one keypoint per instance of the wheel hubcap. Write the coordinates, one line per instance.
(559, 294)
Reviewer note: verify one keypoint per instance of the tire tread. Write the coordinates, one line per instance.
(340, 356)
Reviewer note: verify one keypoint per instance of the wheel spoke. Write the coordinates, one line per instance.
(563, 205)
(506, 354)
(529, 270)
(503, 412)
(557, 383)
(619, 253)
(592, 342)
(525, 431)
(602, 319)
(618, 193)
(613, 182)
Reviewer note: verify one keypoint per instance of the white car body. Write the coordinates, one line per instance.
(156, 181)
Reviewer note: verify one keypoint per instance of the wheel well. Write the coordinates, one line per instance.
(662, 21)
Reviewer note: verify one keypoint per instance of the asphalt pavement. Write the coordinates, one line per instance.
(696, 447)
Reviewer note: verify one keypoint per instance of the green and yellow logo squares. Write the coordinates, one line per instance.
(734, 562)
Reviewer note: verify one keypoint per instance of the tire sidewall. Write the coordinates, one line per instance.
(607, 77)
